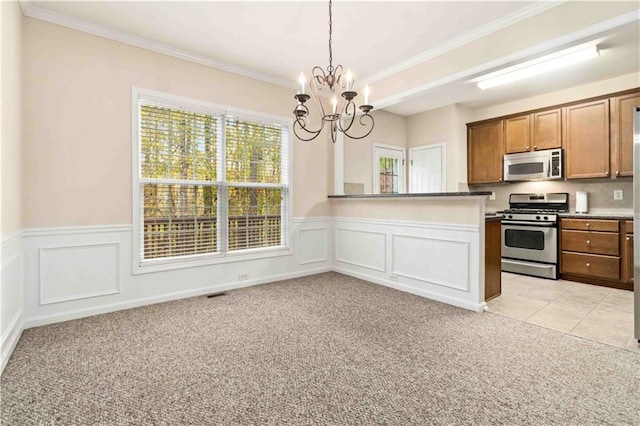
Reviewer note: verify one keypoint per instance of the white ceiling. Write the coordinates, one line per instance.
(380, 41)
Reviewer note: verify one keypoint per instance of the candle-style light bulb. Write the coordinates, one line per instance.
(334, 101)
(302, 81)
(349, 80)
(366, 94)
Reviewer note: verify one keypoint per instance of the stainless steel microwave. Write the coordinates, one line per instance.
(537, 165)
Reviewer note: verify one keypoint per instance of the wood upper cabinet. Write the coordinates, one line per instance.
(517, 134)
(546, 129)
(485, 151)
(533, 132)
(622, 133)
(586, 139)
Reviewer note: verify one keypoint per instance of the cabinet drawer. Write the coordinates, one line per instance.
(628, 227)
(591, 242)
(593, 265)
(591, 225)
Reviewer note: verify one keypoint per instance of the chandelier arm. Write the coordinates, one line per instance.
(351, 116)
(302, 126)
(370, 118)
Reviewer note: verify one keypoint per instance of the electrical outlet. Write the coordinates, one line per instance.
(492, 197)
(394, 277)
(618, 194)
(243, 277)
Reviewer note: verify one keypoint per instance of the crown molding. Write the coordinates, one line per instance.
(467, 38)
(28, 9)
(579, 35)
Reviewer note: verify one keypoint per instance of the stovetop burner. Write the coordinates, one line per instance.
(534, 211)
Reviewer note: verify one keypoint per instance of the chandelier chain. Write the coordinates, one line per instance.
(330, 32)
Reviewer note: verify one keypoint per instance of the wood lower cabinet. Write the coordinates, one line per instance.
(622, 133)
(492, 260)
(596, 251)
(586, 139)
(485, 149)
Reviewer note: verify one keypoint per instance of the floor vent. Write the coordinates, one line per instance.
(222, 293)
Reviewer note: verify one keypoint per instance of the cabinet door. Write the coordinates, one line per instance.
(485, 149)
(586, 138)
(546, 130)
(517, 134)
(622, 133)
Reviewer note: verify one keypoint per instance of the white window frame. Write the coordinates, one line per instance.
(197, 260)
(376, 167)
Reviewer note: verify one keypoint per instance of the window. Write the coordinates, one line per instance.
(210, 183)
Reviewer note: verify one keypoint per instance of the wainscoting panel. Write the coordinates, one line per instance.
(11, 297)
(436, 261)
(77, 272)
(363, 248)
(313, 245)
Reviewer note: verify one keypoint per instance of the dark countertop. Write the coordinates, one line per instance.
(420, 195)
(492, 218)
(601, 215)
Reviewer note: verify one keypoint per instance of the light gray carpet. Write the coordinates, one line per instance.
(326, 349)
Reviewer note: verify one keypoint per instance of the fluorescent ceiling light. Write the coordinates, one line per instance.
(538, 66)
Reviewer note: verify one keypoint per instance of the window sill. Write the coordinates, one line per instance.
(152, 266)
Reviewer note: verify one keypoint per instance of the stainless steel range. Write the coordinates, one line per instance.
(530, 233)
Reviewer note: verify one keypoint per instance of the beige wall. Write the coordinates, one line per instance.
(11, 122)
(389, 129)
(454, 210)
(445, 125)
(77, 111)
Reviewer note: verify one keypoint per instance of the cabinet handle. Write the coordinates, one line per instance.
(628, 238)
(588, 224)
(588, 265)
(535, 147)
(527, 148)
(617, 172)
(499, 179)
(588, 242)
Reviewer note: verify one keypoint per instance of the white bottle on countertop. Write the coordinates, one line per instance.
(582, 204)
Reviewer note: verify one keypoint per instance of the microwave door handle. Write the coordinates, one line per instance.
(549, 168)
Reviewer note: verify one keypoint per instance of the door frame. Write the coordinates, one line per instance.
(375, 172)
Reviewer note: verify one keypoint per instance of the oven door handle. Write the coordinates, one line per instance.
(536, 224)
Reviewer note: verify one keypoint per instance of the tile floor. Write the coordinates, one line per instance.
(592, 312)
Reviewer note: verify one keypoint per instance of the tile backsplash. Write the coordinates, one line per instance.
(599, 193)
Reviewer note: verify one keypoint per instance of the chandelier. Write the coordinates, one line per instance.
(334, 95)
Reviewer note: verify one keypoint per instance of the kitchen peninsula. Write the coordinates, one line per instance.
(429, 244)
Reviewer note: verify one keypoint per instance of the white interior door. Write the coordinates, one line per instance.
(426, 169)
(388, 169)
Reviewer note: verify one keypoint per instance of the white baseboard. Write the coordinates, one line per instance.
(413, 290)
(9, 339)
(82, 313)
